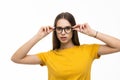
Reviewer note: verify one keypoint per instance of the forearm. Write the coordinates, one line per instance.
(24, 49)
(109, 40)
(112, 44)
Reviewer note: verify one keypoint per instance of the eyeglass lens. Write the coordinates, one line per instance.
(67, 29)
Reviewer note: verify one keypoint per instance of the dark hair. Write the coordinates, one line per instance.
(70, 18)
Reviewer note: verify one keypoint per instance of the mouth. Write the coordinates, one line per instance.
(63, 38)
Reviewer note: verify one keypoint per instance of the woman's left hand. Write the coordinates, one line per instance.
(85, 29)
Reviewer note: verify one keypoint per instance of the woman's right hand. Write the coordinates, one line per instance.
(20, 56)
(45, 30)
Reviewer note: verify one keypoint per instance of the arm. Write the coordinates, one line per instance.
(112, 44)
(20, 56)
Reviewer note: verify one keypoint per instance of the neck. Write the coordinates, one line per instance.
(66, 45)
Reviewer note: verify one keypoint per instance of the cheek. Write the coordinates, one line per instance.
(58, 35)
(70, 35)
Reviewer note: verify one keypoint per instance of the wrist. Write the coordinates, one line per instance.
(95, 35)
(38, 36)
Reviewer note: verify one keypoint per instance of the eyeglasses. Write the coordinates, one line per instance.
(67, 29)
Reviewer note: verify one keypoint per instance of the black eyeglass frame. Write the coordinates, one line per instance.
(65, 29)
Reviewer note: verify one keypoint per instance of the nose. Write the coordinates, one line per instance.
(63, 31)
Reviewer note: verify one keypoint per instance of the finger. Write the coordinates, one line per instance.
(51, 28)
(75, 29)
(47, 29)
(75, 26)
(43, 28)
(81, 29)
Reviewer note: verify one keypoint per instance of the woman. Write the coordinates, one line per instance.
(68, 60)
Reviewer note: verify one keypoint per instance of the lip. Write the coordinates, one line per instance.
(63, 38)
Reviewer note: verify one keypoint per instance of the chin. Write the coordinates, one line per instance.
(64, 42)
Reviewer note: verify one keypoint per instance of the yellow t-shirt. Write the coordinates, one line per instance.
(71, 63)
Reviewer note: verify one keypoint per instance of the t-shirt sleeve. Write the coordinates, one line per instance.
(42, 57)
(93, 50)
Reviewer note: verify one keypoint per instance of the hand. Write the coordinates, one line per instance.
(85, 28)
(45, 31)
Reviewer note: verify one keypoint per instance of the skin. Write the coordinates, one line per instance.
(21, 56)
(67, 43)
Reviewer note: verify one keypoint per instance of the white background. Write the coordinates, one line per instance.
(21, 19)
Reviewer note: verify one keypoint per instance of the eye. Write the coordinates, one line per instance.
(58, 28)
(68, 28)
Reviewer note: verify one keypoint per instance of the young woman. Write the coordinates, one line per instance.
(68, 60)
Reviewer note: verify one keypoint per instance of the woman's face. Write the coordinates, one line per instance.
(64, 31)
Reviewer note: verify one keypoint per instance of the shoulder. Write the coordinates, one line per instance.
(89, 45)
(45, 52)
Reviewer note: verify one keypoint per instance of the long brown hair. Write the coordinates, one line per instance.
(68, 16)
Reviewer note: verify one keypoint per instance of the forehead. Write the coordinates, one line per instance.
(63, 23)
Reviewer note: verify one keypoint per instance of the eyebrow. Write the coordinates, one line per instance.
(65, 26)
